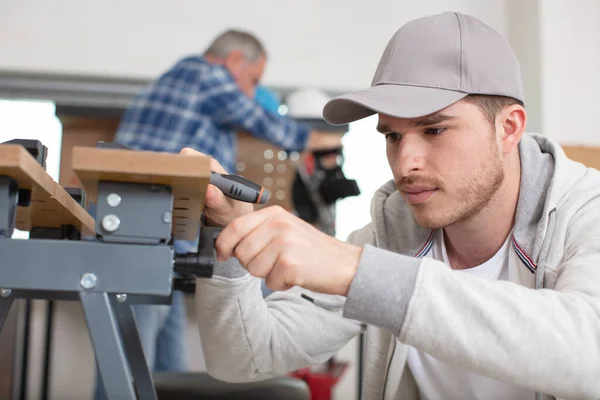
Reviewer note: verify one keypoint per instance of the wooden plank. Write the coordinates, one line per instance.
(587, 155)
(267, 165)
(82, 131)
(188, 177)
(51, 206)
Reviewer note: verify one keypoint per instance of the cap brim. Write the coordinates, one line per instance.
(399, 101)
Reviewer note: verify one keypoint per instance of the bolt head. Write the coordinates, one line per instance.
(113, 199)
(110, 223)
(5, 292)
(121, 297)
(88, 280)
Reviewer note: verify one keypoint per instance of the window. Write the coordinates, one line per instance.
(366, 162)
(32, 120)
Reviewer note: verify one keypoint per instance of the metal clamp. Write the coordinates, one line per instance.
(130, 212)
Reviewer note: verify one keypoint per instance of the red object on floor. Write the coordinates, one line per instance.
(321, 383)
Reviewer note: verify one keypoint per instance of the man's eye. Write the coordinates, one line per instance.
(434, 131)
(392, 137)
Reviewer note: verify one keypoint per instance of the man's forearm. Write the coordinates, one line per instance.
(245, 337)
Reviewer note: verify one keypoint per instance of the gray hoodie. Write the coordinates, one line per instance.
(547, 339)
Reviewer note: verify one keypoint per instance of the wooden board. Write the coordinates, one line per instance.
(188, 177)
(268, 166)
(589, 156)
(82, 131)
(271, 167)
(51, 206)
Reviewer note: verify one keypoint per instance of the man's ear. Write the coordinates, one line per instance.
(511, 124)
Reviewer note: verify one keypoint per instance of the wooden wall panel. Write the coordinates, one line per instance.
(589, 156)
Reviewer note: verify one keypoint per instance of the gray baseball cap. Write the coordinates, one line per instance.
(431, 63)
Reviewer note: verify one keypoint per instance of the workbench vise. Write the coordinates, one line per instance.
(152, 214)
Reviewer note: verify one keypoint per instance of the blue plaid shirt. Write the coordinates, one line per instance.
(198, 104)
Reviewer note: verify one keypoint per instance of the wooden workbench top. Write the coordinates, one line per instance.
(51, 206)
(187, 175)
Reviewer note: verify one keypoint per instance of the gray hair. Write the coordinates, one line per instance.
(230, 40)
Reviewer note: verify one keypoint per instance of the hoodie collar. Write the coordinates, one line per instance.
(546, 176)
(537, 170)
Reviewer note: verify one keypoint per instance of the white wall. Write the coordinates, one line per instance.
(333, 44)
(570, 60)
(524, 34)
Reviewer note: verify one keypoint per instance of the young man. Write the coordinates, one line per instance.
(479, 275)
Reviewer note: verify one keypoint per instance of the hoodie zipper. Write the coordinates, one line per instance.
(387, 370)
(540, 270)
(541, 264)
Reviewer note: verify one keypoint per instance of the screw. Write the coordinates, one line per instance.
(167, 218)
(121, 297)
(111, 222)
(88, 280)
(113, 199)
(5, 292)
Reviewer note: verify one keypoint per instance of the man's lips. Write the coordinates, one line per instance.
(416, 188)
(417, 194)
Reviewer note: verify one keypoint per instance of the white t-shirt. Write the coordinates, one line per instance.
(439, 380)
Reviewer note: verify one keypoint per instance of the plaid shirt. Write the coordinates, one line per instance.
(197, 104)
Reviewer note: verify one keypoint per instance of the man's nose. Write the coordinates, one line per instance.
(411, 155)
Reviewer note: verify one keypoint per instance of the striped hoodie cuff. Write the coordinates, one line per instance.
(381, 289)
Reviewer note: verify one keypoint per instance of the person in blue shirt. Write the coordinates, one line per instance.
(202, 102)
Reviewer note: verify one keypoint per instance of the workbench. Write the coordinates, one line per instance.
(121, 256)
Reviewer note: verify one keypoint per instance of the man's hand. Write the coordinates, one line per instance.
(274, 244)
(219, 209)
